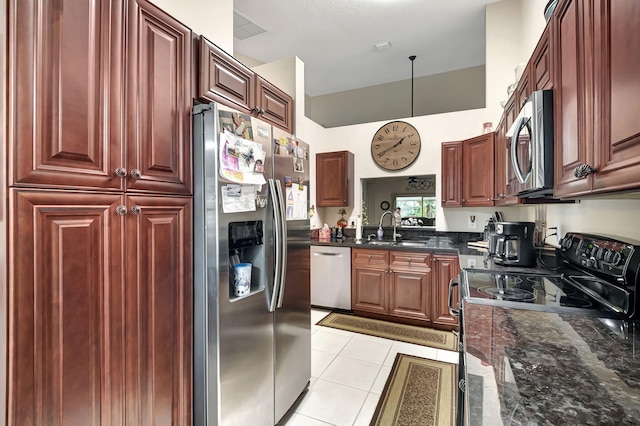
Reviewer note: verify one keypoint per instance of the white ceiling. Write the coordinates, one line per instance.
(336, 38)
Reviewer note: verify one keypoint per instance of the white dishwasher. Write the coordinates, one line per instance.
(331, 277)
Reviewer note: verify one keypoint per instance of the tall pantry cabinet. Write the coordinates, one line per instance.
(97, 125)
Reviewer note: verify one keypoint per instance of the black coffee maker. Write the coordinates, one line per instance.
(514, 245)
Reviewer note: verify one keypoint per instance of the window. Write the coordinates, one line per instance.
(416, 210)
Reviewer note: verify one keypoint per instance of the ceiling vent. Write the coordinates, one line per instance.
(244, 27)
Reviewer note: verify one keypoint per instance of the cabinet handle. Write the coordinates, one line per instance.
(258, 110)
(370, 257)
(121, 172)
(583, 170)
(464, 201)
(136, 174)
(410, 261)
(121, 210)
(135, 210)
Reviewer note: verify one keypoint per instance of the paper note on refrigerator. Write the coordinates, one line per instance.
(242, 201)
(241, 161)
(297, 202)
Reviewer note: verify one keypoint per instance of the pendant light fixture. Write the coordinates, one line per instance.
(412, 58)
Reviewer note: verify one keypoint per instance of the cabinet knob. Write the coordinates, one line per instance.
(583, 170)
(258, 110)
(135, 210)
(370, 257)
(136, 174)
(410, 261)
(121, 210)
(121, 172)
(464, 201)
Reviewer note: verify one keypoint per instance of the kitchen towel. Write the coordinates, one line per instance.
(358, 228)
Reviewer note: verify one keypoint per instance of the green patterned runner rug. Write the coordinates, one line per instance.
(391, 330)
(418, 392)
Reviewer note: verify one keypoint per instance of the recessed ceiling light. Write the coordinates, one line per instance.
(383, 46)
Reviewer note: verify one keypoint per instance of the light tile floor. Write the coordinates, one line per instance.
(348, 373)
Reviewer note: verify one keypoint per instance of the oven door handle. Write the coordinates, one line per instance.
(453, 283)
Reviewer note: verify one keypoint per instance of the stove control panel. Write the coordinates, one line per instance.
(595, 253)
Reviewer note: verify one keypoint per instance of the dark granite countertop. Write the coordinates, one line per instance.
(539, 368)
(430, 243)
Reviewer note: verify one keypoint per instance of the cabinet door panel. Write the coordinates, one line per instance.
(65, 93)
(223, 79)
(159, 310)
(369, 292)
(409, 296)
(334, 179)
(477, 171)
(277, 105)
(572, 100)
(617, 140)
(66, 314)
(445, 269)
(452, 174)
(159, 101)
(541, 67)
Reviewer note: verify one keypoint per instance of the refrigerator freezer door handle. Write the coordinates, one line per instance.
(283, 242)
(275, 201)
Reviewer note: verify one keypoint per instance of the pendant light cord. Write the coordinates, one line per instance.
(412, 58)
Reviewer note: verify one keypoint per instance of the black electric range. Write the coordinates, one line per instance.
(595, 276)
(591, 276)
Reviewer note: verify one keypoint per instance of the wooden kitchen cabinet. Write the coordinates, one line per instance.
(100, 307)
(409, 288)
(452, 174)
(369, 281)
(77, 134)
(67, 129)
(541, 62)
(99, 259)
(159, 314)
(334, 179)
(464, 172)
(224, 79)
(158, 143)
(597, 134)
(67, 309)
(391, 285)
(445, 268)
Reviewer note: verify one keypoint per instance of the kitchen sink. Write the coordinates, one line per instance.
(410, 244)
(380, 243)
(398, 243)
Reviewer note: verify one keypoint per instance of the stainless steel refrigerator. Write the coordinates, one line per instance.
(252, 352)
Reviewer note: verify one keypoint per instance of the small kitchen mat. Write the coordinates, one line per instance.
(418, 392)
(391, 330)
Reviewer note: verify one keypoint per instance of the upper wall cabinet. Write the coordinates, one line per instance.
(597, 62)
(465, 180)
(159, 99)
(226, 80)
(334, 179)
(67, 82)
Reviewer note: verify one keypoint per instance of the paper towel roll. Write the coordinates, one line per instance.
(358, 228)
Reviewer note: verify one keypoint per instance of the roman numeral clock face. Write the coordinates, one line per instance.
(395, 145)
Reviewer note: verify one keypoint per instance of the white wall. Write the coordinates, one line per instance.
(212, 19)
(513, 28)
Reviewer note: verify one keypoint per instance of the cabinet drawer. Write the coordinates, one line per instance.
(364, 257)
(408, 260)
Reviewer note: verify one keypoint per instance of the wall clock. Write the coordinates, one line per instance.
(395, 145)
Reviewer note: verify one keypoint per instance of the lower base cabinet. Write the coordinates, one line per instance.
(100, 309)
(401, 286)
(445, 268)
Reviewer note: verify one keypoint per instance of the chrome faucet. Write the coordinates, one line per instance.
(393, 222)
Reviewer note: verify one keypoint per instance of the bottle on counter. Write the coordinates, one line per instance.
(380, 233)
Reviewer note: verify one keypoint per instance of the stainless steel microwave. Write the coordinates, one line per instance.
(530, 145)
